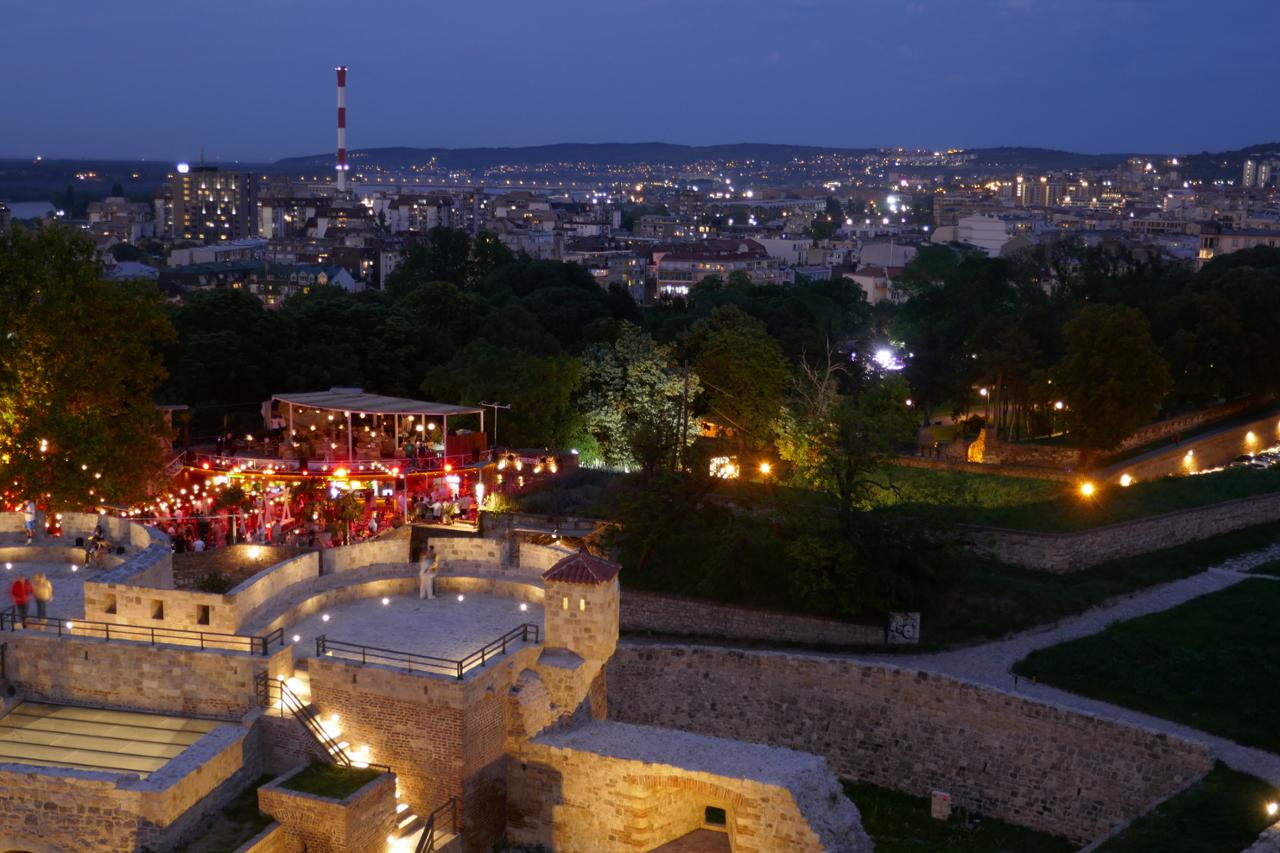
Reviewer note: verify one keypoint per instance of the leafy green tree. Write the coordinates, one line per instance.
(635, 401)
(539, 390)
(79, 360)
(488, 253)
(743, 372)
(835, 442)
(443, 255)
(1112, 375)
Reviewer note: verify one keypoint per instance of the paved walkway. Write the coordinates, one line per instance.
(991, 664)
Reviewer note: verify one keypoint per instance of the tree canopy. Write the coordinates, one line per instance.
(79, 361)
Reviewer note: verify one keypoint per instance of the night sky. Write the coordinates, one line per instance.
(254, 80)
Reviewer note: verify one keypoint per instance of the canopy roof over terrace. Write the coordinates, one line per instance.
(357, 401)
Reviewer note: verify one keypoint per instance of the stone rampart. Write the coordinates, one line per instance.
(660, 784)
(672, 615)
(138, 676)
(996, 753)
(441, 737)
(389, 548)
(1061, 553)
(467, 555)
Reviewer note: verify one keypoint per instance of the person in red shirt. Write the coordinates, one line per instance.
(22, 592)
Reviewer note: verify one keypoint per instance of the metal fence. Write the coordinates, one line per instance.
(412, 661)
(11, 620)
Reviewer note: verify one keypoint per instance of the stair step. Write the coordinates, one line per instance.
(406, 822)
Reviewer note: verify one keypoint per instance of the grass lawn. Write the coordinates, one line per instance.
(900, 823)
(1222, 813)
(330, 780)
(1208, 663)
(1067, 511)
(983, 599)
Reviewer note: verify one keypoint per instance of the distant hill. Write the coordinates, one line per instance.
(621, 153)
(605, 153)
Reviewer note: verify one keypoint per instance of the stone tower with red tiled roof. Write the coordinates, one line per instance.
(581, 610)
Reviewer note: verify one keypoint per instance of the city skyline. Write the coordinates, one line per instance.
(1125, 77)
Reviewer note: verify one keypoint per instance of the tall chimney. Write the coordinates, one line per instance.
(342, 128)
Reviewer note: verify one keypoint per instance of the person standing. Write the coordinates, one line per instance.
(42, 589)
(21, 592)
(428, 568)
(29, 520)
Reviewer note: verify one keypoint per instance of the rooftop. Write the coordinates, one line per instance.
(356, 400)
(582, 568)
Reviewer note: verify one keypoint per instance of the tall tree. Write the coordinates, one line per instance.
(1112, 375)
(743, 372)
(79, 360)
(635, 401)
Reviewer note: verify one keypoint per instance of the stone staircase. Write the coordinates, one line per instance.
(409, 826)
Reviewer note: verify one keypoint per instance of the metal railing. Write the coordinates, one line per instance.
(445, 815)
(325, 647)
(10, 620)
(255, 462)
(274, 693)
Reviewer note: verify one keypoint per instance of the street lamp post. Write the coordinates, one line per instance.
(495, 407)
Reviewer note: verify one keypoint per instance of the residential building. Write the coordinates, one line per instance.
(679, 266)
(211, 205)
(1216, 240)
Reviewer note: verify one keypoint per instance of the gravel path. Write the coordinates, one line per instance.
(990, 664)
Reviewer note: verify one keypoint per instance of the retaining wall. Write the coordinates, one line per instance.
(651, 612)
(996, 753)
(1061, 553)
(358, 822)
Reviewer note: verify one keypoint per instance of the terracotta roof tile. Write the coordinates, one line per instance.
(582, 568)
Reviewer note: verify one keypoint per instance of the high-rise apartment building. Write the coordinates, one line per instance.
(210, 205)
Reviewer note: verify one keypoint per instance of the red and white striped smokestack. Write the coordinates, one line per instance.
(342, 128)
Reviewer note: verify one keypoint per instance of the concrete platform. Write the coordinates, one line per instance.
(94, 738)
(443, 627)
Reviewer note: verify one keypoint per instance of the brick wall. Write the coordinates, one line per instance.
(1022, 761)
(359, 822)
(140, 677)
(651, 612)
(1070, 552)
(442, 737)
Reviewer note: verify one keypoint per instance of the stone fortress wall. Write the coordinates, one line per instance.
(1061, 553)
(996, 753)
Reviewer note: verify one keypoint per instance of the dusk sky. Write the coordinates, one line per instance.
(254, 80)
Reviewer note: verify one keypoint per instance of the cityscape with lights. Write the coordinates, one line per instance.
(688, 496)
